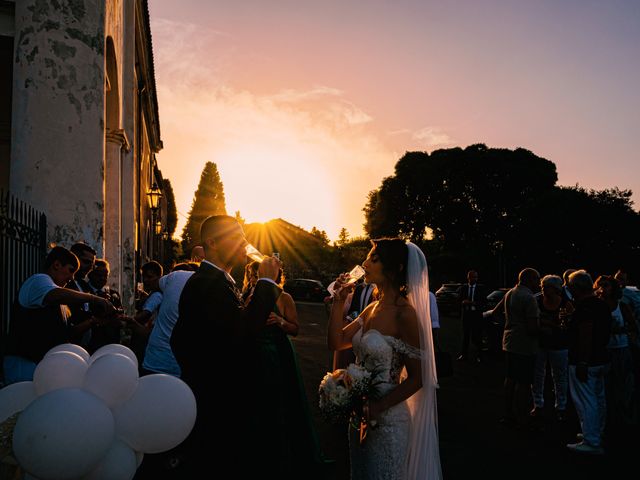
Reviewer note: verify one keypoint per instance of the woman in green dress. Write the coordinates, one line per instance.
(284, 430)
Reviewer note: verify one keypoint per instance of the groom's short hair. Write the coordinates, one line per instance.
(216, 226)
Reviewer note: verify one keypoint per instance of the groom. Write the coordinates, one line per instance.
(213, 344)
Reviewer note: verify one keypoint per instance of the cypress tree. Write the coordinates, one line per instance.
(207, 200)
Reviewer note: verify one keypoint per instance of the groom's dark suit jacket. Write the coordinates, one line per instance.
(213, 344)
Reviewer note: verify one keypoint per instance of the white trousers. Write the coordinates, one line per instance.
(589, 400)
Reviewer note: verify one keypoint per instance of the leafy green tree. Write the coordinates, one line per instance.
(207, 200)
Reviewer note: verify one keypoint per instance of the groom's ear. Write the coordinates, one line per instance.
(209, 243)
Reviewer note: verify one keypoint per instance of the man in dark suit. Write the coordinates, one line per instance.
(473, 299)
(213, 344)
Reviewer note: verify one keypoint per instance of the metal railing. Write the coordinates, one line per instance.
(23, 247)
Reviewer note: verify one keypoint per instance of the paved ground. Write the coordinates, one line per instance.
(472, 443)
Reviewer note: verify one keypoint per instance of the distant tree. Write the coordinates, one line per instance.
(500, 210)
(172, 212)
(320, 235)
(171, 246)
(207, 200)
(239, 218)
(593, 229)
(475, 195)
(343, 237)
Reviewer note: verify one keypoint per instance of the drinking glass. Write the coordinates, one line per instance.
(353, 276)
(254, 254)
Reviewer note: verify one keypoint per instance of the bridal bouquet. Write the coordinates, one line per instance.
(342, 392)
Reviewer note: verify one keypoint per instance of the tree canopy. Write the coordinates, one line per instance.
(500, 210)
(208, 200)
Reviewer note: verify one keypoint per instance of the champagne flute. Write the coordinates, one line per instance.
(254, 254)
(353, 276)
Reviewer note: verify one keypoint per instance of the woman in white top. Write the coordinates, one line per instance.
(619, 380)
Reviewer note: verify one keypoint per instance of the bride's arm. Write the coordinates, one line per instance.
(339, 337)
(409, 334)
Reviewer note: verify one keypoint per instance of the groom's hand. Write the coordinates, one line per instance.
(269, 268)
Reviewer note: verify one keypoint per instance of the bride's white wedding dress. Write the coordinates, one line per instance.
(383, 454)
(404, 444)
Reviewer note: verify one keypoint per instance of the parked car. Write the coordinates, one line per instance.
(306, 289)
(448, 298)
(494, 297)
(495, 323)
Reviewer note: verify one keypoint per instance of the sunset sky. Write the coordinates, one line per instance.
(305, 106)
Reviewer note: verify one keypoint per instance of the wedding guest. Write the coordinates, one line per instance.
(554, 347)
(142, 322)
(619, 378)
(40, 316)
(158, 357)
(520, 343)
(291, 447)
(109, 331)
(250, 279)
(434, 312)
(630, 296)
(197, 254)
(214, 344)
(566, 292)
(589, 331)
(98, 279)
(82, 318)
(473, 299)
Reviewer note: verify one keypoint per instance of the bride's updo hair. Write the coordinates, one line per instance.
(393, 253)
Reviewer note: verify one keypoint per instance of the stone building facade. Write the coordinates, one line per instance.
(81, 139)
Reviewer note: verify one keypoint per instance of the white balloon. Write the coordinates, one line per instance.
(112, 377)
(70, 347)
(119, 463)
(63, 434)
(114, 348)
(139, 458)
(159, 416)
(15, 397)
(59, 370)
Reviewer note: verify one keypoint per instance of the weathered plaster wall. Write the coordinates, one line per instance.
(58, 115)
(129, 177)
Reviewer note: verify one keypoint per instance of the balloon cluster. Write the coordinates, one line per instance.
(91, 417)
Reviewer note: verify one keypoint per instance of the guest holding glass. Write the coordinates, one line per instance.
(553, 346)
(290, 445)
(619, 381)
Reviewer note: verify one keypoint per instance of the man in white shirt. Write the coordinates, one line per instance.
(40, 318)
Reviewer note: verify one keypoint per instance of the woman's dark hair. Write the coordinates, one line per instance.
(185, 267)
(152, 267)
(252, 268)
(79, 248)
(393, 254)
(62, 255)
(616, 289)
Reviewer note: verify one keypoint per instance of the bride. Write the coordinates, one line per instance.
(392, 338)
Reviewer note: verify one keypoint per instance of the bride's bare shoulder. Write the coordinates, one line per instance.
(369, 308)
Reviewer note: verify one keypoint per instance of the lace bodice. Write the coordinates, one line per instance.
(382, 455)
(382, 355)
